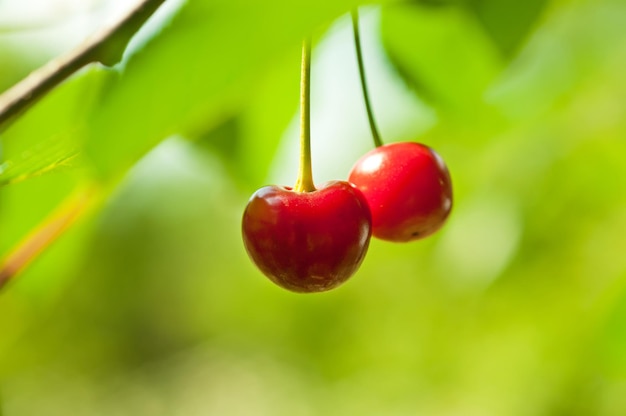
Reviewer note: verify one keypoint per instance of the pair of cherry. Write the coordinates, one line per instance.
(311, 240)
(314, 241)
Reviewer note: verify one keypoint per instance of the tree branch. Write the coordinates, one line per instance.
(106, 47)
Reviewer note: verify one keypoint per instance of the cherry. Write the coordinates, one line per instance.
(407, 185)
(408, 189)
(307, 241)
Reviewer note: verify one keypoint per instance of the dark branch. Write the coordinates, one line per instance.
(106, 47)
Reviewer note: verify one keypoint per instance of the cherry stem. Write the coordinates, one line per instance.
(304, 183)
(359, 56)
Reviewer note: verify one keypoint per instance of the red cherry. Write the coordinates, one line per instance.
(408, 189)
(307, 241)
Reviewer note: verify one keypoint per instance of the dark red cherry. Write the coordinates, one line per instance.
(408, 189)
(307, 241)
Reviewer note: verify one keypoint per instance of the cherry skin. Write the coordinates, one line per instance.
(408, 188)
(307, 241)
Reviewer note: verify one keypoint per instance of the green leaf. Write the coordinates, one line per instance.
(45, 139)
(247, 141)
(443, 53)
(61, 152)
(49, 135)
(508, 22)
(203, 69)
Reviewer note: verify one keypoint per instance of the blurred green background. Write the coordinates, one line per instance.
(149, 304)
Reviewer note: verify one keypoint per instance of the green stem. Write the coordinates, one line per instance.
(304, 183)
(359, 56)
(106, 47)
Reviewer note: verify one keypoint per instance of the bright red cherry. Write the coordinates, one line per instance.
(307, 241)
(408, 189)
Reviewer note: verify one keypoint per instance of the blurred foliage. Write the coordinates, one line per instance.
(149, 305)
(507, 22)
